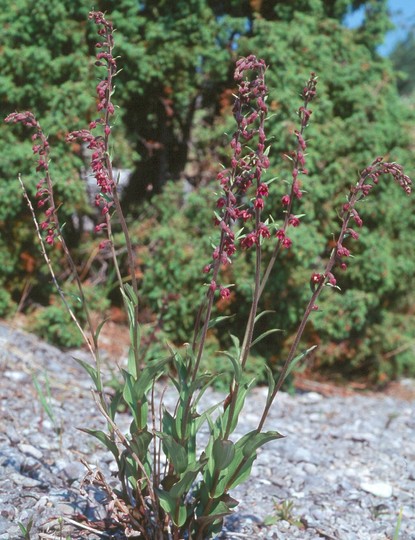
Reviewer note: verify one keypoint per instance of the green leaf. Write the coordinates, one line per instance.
(243, 473)
(223, 452)
(169, 424)
(398, 525)
(213, 322)
(131, 302)
(271, 382)
(151, 372)
(256, 440)
(104, 439)
(218, 510)
(131, 364)
(237, 368)
(26, 529)
(206, 416)
(236, 344)
(295, 361)
(174, 452)
(99, 328)
(183, 486)
(131, 294)
(264, 335)
(115, 401)
(172, 506)
(262, 314)
(239, 403)
(43, 400)
(203, 382)
(92, 372)
(133, 401)
(140, 441)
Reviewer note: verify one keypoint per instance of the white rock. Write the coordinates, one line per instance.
(24, 481)
(30, 450)
(379, 489)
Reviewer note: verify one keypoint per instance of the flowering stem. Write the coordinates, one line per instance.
(357, 193)
(50, 267)
(298, 166)
(207, 315)
(111, 71)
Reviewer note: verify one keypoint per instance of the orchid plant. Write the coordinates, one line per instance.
(173, 483)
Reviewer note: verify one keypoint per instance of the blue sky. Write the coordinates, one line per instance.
(403, 16)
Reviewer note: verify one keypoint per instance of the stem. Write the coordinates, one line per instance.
(208, 313)
(347, 214)
(277, 248)
(291, 354)
(249, 332)
(130, 252)
(138, 461)
(93, 347)
(50, 267)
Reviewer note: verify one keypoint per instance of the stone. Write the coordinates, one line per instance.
(74, 471)
(30, 450)
(24, 481)
(379, 489)
(332, 448)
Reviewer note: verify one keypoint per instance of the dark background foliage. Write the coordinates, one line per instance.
(172, 130)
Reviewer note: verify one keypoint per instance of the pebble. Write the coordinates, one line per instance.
(344, 470)
(30, 450)
(380, 489)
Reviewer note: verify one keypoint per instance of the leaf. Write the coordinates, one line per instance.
(218, 511)
(148, 375)
(140, 441)
(172, 506)
(174, 452)
(201, 383)
(237, 368)
(131, 364)
(205, 416)
(236, 344)
(104, 439)
(256, 440)
(131, 294)
(26, 529)
(92, 372)
(181, 515)
(130, 397)
(115, 401)
(43, 400)
(223, 452)
(264, 335)
(262, 314)
(295, 361)
(189, 476)
(169, 424)
(131, 302)
(239, 403)
(213, 322)
(271, 382)
(99, 328)
(398, 525)
(243, 473)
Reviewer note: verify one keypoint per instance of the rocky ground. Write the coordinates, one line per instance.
(344, 471)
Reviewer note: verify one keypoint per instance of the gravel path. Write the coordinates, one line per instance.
(344, 471)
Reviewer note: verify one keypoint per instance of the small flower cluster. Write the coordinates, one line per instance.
(44, 193)
(246, 170)
(298, 158)
(100, 163)
(358, 192)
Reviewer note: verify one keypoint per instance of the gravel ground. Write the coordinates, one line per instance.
(344, 471)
